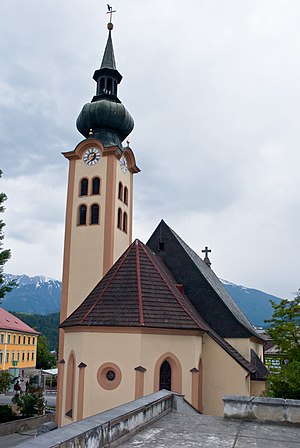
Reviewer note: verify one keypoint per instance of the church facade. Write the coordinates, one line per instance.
(136, 318)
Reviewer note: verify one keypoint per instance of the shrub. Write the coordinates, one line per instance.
(6, 413)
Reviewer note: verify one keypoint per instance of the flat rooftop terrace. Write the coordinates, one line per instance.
(178, 430)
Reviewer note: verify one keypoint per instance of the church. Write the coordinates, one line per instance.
(135, 317)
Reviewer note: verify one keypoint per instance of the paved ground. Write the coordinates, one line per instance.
(190, 431)
(15, 439)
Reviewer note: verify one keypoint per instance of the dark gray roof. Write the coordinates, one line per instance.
(216, 284)
(108, 60)
(202, 286)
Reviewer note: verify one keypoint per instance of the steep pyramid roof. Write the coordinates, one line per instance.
(137, 291)
(210, 298)
(108, 60)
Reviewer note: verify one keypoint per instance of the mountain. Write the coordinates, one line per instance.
(41, 295)
(255, 304)
(33, 295)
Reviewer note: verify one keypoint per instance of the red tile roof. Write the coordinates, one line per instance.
(13, 323)
(138, 290)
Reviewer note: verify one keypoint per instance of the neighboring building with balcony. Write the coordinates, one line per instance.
(18, 343)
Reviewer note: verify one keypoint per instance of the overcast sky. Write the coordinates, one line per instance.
(213, 87)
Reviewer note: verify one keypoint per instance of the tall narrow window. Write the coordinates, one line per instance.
(126, 195)
(84, 186)
(165, 376)
(125, 222)
(95, 214)
(96, 185)
(109, 85)
(70, 386)
(102, 83)
(119, 218)
(82, 215)
(120, 191)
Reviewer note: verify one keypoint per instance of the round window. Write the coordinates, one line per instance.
(109, 376)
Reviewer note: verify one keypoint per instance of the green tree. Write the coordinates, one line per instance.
(44, 359)
(4, 253)
(285, 331)
(30, 403)
(5, 381)
(285, 327)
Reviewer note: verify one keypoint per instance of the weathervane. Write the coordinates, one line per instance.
(110, 12)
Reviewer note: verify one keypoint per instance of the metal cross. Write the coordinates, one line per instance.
(110, 12)
(206, 250)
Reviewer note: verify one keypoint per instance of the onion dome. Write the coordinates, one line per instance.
(105, 115)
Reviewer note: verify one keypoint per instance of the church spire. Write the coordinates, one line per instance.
(105, 115)
(108, 60)
(107, 77)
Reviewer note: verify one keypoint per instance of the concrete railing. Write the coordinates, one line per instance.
(25, 424)
(109, 427)
(262, 408)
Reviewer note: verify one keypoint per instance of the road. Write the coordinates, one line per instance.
(50, 399)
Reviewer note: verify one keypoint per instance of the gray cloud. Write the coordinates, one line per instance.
(214, 91)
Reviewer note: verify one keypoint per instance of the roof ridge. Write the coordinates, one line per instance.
(139, 285)
(123, 258)
(168, 286)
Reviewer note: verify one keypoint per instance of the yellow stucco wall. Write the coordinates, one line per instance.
(17, 349)
(86, 263)
(244, 346)
(257, 388)
(221, 375)
(127, 351)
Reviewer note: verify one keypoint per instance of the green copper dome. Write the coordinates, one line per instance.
(110, 122)
(105, 115)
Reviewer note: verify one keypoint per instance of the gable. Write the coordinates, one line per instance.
(202, 286)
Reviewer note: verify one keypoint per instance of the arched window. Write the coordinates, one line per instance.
(96, 185)
(102, 84)
(168, 368)
(126, 195)
(82, 215)
(125, 222)
(120, 191)
(70, 392)
(115, 87)
(165, 376)
(84, 185)
(95, 214)
(109, 85)
(119, 218)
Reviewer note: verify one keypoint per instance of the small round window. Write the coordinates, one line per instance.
(109, 376)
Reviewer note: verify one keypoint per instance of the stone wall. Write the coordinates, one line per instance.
(262, 408)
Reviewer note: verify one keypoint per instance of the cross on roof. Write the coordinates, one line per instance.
(206, 250)
(110, 12)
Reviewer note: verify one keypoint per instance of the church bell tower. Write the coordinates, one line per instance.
(99, 207)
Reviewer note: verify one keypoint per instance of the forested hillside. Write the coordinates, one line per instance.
(46, 325)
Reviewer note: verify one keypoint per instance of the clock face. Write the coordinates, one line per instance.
(123, 165)
(91, 156)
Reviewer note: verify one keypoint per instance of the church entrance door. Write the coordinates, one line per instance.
(165, 376)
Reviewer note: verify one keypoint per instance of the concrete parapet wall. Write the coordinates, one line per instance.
(25, 424)
(108, 428)
(262, 408)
